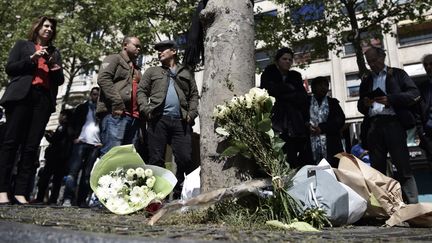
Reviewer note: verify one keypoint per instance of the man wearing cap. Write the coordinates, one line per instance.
(118, 79)
(168, 98)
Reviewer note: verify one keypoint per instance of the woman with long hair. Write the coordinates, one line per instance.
(290, 111)
(35, 71)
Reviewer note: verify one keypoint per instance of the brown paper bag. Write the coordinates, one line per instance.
(418, 215)
(383, 193)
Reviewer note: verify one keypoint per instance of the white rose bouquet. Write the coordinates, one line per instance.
(124, 184)
(245, 122)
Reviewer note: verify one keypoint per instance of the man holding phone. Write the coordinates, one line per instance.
(389, 115)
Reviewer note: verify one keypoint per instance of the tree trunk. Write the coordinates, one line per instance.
(229, 71)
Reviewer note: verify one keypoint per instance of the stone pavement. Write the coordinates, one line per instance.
(56, 224)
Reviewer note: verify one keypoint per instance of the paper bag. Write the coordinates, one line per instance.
(384, 193)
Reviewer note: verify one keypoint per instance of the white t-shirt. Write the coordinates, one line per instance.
(90, 130)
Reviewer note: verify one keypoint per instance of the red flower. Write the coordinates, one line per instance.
(152, 208)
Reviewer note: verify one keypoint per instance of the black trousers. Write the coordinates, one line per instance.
(386, 135)
(25, 125)
(298, 151)
(55, 168)
(177, 133)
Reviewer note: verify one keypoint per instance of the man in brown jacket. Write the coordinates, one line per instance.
(118, 79)
(168, 98)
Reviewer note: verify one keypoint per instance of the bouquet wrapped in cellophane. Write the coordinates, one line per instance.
(125, 184)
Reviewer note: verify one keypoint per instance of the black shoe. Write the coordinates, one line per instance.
(36, 202)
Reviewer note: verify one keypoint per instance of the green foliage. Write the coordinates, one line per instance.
(235, 213)
(316, 217)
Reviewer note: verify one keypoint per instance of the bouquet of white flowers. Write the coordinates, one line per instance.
(245, 122)
(124, 184)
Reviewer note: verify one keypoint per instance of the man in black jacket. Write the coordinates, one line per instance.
(86, 144)
(387, 96)
(425, 131)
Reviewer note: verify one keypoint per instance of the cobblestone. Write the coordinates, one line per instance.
(59, 224)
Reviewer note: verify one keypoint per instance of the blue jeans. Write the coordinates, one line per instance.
(118, 130)
(83, 157)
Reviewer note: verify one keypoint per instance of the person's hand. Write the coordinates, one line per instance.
(39, 53)
(367, 102)
(189, 119)
(76, 140)
(382, 100)
(52, 65)
(48, 133)
(315, 130)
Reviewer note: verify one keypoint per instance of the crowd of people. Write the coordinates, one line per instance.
(158, 107)
(116, 113)
(389, 100)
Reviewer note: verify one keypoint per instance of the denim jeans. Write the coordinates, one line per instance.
(118, 130)
(83, 157)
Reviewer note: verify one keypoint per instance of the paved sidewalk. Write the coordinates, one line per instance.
(56, 224)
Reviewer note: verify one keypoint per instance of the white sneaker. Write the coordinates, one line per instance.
(67, 203)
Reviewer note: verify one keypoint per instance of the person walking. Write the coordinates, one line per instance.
(290, 111)
(387, 95)
(85, 150)
(118, 80)
(168, 98)
(35, 70)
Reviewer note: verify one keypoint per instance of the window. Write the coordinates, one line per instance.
(309, 50)
(368, 38)
(414, 33)
(361, 5)
(353, 85)
(308, 12)
(262, 59)
(401, 1)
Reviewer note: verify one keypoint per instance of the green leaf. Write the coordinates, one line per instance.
(264, 125)
(277, 143)
(270, 133)
(268, 105)
(231, 151)
(246, 154)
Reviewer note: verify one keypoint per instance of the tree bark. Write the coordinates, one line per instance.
(229, 71)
